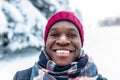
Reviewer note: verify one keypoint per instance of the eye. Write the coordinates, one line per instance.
(71, 35)
(54, 34)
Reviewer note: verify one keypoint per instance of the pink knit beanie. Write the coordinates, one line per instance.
(64, 15)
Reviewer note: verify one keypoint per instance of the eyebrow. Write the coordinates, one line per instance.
(53, 29)
(70, 29)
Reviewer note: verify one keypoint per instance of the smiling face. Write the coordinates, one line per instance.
(63, 43)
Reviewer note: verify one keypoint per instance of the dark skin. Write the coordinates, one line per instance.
(63, 43)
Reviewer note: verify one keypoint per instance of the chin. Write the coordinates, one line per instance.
(62, 64)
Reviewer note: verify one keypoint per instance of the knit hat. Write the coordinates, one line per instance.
(64, 15)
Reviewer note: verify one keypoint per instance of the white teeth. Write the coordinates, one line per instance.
(63, 51)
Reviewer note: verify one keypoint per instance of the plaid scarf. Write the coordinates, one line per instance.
(83, 69)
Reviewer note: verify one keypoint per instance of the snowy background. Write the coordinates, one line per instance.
(22, 24)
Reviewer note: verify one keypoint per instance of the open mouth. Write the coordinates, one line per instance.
(63, 51)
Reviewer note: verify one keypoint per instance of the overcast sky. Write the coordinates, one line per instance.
(93, 10)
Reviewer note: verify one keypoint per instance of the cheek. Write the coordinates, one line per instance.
(49, 43)
(77, 43)
(77, 51)
(47, 47)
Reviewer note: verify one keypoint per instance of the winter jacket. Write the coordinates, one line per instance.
(25, 75)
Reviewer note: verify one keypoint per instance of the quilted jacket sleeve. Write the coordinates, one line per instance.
(23, 75)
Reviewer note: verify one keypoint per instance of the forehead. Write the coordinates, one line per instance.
(64, 25)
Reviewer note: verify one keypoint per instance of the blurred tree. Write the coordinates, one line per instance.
(23, 21)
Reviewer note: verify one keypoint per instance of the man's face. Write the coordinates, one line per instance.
(63, 43)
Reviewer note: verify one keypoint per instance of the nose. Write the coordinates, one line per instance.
(63, 41)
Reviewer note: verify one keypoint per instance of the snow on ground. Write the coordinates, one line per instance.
(9, 66)
(102, 44)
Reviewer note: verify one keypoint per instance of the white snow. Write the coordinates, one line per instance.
(103, 45)
(9, 67)
(3, 23)
(94, 10)
(12, 11)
